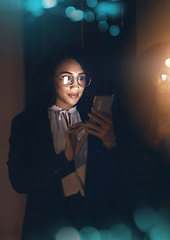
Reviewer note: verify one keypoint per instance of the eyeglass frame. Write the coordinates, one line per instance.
(73, 81)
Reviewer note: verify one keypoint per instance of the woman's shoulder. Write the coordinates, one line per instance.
(29, 116)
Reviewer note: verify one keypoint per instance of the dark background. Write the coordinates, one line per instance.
(23, 40)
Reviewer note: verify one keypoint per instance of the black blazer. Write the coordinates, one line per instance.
(36, 170)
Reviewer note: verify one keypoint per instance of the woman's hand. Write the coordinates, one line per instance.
(73, 145)
(102, 127)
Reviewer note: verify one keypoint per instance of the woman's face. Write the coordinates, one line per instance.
(68, 96)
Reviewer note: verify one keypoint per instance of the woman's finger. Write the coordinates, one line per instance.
(76, 125)
(81, 142)
(93, 126)
(105, 117)
(93, 132)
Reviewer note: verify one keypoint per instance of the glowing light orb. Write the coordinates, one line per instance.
(35, 7)
(167, 62)
(161, 228)
(89, 16)
(92, 3)
(101, 17)
(89, 233)
(144, 218)
(78, 16)
(70, 11)
(114, 30)
(49, 3)
(120, 232)
(67, 233)
(111, 9)
(103, 26)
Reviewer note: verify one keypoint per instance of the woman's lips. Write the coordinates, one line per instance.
(74, 95)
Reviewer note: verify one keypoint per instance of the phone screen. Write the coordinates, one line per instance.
(103, 103)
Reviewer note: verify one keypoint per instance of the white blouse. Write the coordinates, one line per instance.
(60, 121)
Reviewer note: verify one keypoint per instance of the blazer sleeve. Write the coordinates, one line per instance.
(33, 169)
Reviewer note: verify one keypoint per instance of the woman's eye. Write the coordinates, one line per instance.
(82, 78)
(66, 79)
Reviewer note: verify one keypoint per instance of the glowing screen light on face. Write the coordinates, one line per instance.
(35, 7)
(103, 26)
(167, 62)
(89, 233)
(67, 233)
(49, 3)
(114, 30)
(89, 16)
(91, 3)
(144, 218)
(120, 232)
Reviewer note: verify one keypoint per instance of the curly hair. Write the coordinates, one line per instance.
(42, 92)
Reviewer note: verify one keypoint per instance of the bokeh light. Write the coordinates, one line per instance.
(67, 233)
(114, 30)
(49, 3)
(70, 11)
(89, 16)
(167, 62)
(104, 234)
(101, 17)
(73, 14)
(144, 218)
(103, 26)
(78, 16)
(111, 9)
(120, 232)
(35, 7)
(164, 77)
(162, 228)
(89, 233)
(91, 3)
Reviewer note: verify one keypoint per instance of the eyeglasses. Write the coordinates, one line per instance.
(68, 80)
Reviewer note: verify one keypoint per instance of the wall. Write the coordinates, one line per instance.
(153, 19)
(12, 102)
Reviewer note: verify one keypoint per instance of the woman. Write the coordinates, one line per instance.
(59, 159)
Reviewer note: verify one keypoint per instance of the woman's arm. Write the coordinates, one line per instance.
(32, 169)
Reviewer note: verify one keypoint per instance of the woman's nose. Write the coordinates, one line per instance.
(75, 84)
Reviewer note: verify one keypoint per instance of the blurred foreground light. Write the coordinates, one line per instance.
(167, 62)
(162, 228)
(78, 16)
(111, 9)
(89, 233)
(67, 233)
(101, 17)
(35, 7)
(114, 30)
(73, 14)
(103, 26)
(144, 218)
(104, 234)
(89, 16)
(49, 3)
(120, 232)
(70, 11)
(164, 77)
(91, 3)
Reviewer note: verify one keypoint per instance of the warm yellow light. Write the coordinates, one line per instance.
(167, 62)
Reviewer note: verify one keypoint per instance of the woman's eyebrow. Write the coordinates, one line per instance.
(71, 73)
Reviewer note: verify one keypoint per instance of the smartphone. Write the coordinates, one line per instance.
(103, 103)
